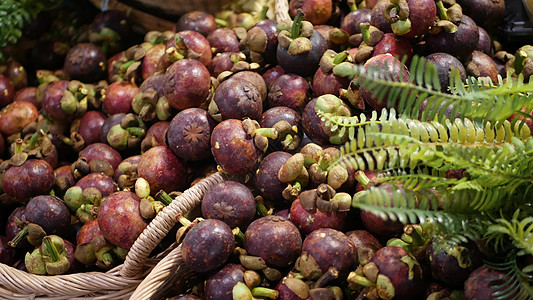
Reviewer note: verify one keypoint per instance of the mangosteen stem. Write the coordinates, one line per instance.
(54, 254)
(126, 65)
(18, 146)
(221, 22)
(165, 199)
(263, 14)
(184, 221)
(22, 233)
(239, 235)
(136, 131)
(267, 132)
(331, 274)
(352, 5)
(341, 56)
(107, 258)
(33, 140)
(361, 177)
(260, 206)
(297, 24)
(365, 31)
(264, 292)
(441, 10)
(359, 280)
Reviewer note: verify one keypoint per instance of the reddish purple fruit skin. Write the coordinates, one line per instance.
(156, 133)
(186, 84)
(27, 94)
(87, 232)
(153, 61)
(304, 64)
(331, 248)
(396, 70)
(90, 125)
(185, 297)
(350, 23)
(285, 293)
(162, 169)
(274, 239)
(407, 280)
(85, 62)
(119, 219)
(308, 221)
(397, 46)
(7, 91)
(231, 202)
(101, 151)
(238, 99)
(315, 11)
(223, 40)
(479, 283)
(16, 116)
(362, 237)
(51, 102)
(8, 254)
(328, 83)
(198, 21)
(460, 43)
(266, 178)
(189, 134)
(34, 177)
(220, 63)
(233, 149)
(219, 286)
(272, 74)
(289, 90)
(445, 63)
(195, 43)
(118, 97)
(312, 124)
(207, 245)
(49, 212)
(105, 184)
(422, 15)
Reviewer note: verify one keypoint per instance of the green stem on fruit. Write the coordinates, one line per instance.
(441, 10)
(221, 22)
(184, 221)
(297, 24)
(165, 199)
(260, 207)
(126, 65)
(263, 14)
(353, 5)
(359, 280)
(365, 31)
(52, 249)
(33, 140)
(340, 57)
(107, 259)
(136, 131)
(267, 132)
(22, 233)
(265, 292)
(239, 235)
(18, 146)
(361, 177)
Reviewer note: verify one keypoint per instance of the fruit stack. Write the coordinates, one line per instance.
(356, 150)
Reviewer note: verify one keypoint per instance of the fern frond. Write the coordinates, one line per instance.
(516, 282)
(480, 101)
(519, 231)
(410, 207)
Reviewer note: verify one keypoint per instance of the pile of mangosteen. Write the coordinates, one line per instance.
(102, 126)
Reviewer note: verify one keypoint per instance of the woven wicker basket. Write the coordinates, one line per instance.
(118, 283)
